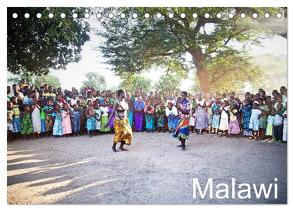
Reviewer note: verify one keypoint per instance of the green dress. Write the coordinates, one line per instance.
(26, 124)
(104, 119)
(263, 119)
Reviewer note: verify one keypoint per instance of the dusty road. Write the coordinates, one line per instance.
(82, 170)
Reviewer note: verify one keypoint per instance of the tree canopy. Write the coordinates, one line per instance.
(135, 82)
(35, 45)
(95, 80)
(36, 81)
(168, 83)
(162, 39)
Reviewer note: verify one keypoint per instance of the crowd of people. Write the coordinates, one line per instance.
(47, 111)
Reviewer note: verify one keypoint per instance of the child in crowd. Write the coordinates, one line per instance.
(278, 122)
(91, 121)
(66, 120)
(224, 118)
(10, 114)
(233, 128)
(149, 118)
(285, 126)
(57, 127)
(270, 124)
(171, 112)
(16, 116)
(246, 114)
(160, 116)
(49, 109)
(216, 110)
(209, 115)
(43, 117)
(104, 119)
(76, 120)
(263, 118)
(254, 120)
(192, 120)
(97, 111)
(36, 118)
(26, 122)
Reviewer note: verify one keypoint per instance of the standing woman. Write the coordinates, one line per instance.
(122, 129)
(130, 102)
(201, 115)
(139, 106)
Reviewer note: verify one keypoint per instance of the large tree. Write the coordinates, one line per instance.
(34, 45)
(37, 81)
(95, 80)
(168, 83)
(134, 82)
(136, 44)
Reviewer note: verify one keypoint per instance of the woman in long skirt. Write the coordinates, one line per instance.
(201, 115)
(57, 127)
(36, 118)
(160, 117)
(66, 120)
(139, 106)
(149, 118)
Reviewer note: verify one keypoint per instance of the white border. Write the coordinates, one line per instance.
(153, 3)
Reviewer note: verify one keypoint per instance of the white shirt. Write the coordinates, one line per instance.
(173, 111)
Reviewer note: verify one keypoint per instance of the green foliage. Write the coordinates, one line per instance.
(168, 83)
(142, 43)
(134, 82)
(34, 80)
(229, 72)
(95, 80)
(35, 45)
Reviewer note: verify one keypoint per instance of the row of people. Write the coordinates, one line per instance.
(60, 113)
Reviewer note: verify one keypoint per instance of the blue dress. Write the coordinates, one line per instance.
(57, 127)
(149, 120)
(76, 117)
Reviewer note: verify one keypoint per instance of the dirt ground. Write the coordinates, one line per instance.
(82, 170)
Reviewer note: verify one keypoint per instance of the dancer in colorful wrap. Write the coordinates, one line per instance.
(182, 131)
(122, 130)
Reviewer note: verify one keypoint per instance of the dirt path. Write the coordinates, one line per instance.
(82, 170)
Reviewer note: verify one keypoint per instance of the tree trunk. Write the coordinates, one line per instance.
(199, 60)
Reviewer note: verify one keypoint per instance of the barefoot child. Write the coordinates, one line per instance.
(233, 128)
(16, 117)
(216, 110)
(66, 121)
(246, 114)
(224, 118)
(91, 121)
(36, 118)
(192, 120)
(269, 126)
(26, 122)
(254, 120)
(76, 120)
(9, 120)
(171, 113)
(57, 127)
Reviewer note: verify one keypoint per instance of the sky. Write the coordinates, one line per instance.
(93, 61)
